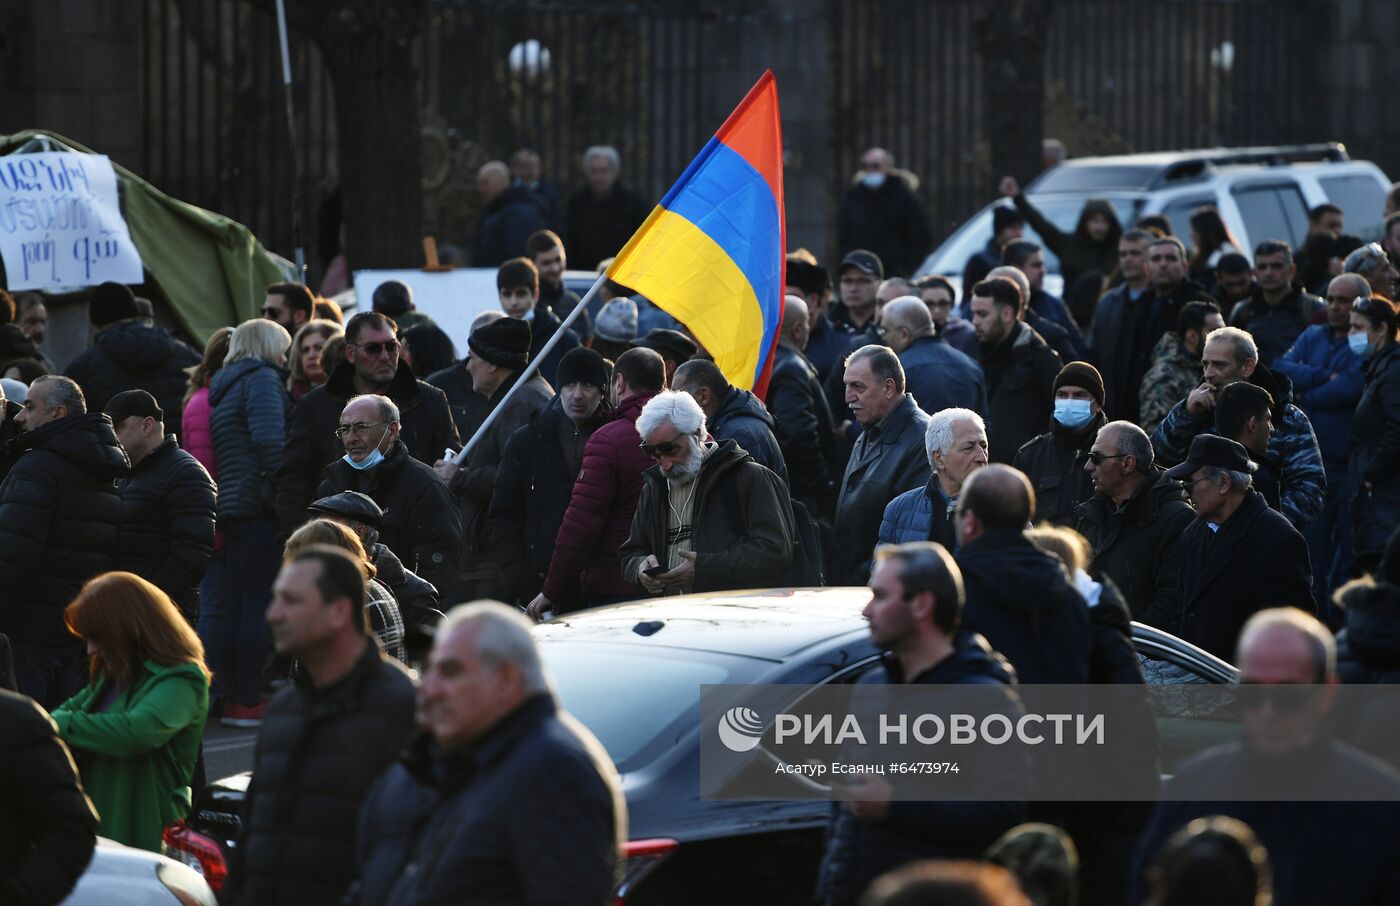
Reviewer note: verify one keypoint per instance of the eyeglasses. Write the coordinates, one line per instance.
(1099, 459)
(667, 448)
(359, 429)
(374, 350)
(1286, 698)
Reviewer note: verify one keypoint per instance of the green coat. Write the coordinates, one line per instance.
(138, 756)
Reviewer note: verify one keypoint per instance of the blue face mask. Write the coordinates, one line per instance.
(1359, 344)
(1073, 413)
(373, 459)
(873, 180)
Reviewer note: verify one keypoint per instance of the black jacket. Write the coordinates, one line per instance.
(1340, 851)
(857, 852)
(803, 428)
(426, 428)
(1052, 462)
(9, 430)
(469, 408)
(531, 813)
(889, 458)
(1138, 546)
(1276, 327)
(1130, 775)
(534, 484)
(420, 522)
(168, 523)
(1019, 599)
(1375, 455)
(1256, 560)
(890, 221)
(744, 419)
(318, 753)
(475, 481)
(131, 356)
(418, 599)
(597, 228)
(1020, 390)
(60, 522)
(1119, 320)
(1368, 654)
(47, 826)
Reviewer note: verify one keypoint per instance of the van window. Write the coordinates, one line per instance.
(1179, 213)
(1272, 212)
(1361, 199)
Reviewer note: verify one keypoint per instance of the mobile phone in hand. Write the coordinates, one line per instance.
(654, 571)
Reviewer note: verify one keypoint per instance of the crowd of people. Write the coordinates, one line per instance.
(268, 535)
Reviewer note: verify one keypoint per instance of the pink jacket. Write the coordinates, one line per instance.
(599, 517)
(194, 431)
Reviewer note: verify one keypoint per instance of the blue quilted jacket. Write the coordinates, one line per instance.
(249, 424)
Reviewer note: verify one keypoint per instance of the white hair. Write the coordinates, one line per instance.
(1243, 340)
(939, 435)
(504, 637)
(680, 410)
(604, 151)
(387, 408)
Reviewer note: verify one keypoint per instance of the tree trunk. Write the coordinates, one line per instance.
(1011, 37)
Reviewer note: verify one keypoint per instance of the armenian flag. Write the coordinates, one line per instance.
(711, 254)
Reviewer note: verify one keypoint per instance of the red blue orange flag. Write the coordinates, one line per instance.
(711, 254)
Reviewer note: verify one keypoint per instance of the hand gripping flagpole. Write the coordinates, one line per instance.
(530, 368)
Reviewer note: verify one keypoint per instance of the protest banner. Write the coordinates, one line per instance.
(61, 224)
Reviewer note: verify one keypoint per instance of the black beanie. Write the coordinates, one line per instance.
(112, 302)
(1081, 374)
(582, 366)
(504, 342)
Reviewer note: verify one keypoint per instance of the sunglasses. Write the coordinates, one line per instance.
(1099, 459)
(668, 448)
(1286, 698)
(270, 312)
(374, 350)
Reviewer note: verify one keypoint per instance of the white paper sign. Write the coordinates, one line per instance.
(452, 298)
(60, 223)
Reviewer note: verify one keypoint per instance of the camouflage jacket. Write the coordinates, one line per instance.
(1172, 377)
(1303, 486)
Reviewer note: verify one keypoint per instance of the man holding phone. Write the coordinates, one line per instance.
(709, 517)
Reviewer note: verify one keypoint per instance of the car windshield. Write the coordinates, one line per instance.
(951, 257)
(639, 704)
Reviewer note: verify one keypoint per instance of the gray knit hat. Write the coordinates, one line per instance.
(617, 322)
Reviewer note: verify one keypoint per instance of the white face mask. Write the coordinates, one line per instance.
(873, 180)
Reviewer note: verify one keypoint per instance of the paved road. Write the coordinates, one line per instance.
(227, 750)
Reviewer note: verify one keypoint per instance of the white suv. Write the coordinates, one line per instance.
(1262, 193)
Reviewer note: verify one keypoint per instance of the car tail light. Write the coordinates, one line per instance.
(200, 852)
(641, 857)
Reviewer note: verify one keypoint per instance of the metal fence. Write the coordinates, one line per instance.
(1122, 75)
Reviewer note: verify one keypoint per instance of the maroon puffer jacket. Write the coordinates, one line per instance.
(599, 517)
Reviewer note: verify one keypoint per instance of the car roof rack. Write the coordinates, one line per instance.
(1151, 170)
(1193, 164)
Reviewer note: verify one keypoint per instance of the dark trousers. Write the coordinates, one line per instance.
(210, 623)
(252, 557)
(1329, 546)
(49, 674)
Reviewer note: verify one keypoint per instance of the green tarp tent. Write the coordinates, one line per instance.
(210, 270)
